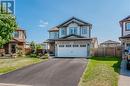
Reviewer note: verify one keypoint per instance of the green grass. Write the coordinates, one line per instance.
(8, 65)
(101, 71)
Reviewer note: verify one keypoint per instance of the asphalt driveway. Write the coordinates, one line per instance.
(55, 72)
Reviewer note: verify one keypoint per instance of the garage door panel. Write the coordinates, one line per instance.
(72, 51)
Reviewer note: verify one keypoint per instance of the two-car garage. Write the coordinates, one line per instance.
(72, 49)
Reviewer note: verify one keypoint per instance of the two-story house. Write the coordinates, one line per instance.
(18, 42)
(125, 34)
(72, 38)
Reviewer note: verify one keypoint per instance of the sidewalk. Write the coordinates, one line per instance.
(124, 77)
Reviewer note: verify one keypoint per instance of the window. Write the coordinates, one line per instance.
(128, 26)
(61, 45)
(82, 45)
(84, 30)
(68, 45)
(16, 34)
(62, 31)
(53, 35)
(75, 45)
(73, 30)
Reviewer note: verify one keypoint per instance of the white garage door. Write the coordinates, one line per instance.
(72, 50)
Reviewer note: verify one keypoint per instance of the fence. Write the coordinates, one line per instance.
(107, 51)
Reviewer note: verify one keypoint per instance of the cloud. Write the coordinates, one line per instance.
(43, 24)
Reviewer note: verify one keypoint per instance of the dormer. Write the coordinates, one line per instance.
(125, 25)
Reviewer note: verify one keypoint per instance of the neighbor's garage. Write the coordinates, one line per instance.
(72, 50)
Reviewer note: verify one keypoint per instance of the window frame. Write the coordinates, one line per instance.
(83, 30)
(16, 34)
(126, 26)
(53, 35)
(73, 30)
(63, 31)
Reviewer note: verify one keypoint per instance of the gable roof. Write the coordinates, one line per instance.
(75, 20)
(125, 19)
(110, 42)
(71, 20)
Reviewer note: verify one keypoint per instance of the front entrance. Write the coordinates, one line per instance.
(13, 48)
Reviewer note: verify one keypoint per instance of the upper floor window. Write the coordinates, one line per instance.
(73, 30)
(128, 26)
(53, 35)
(16, 34)
(63, 31)
(84, 30)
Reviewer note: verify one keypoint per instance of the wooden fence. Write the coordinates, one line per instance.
(107, 51)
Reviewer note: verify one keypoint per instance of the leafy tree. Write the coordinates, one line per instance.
(7, 26)
(38, 46)
(33, 46)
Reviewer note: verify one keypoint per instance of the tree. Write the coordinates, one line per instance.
(7, 26)
(39, 46)
(33, 46)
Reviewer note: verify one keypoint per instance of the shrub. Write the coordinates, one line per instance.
(33, 55)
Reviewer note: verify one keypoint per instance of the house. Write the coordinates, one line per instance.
(27, 45)
(71, 38)
(17, 43)
(125, 34)
(110, 43)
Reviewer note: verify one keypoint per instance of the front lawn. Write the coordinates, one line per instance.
(101, 71)
(7, 65)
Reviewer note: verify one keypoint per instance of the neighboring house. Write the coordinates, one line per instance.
(72, 38)
(110, 43)
(27, 45)
(18, 42)
(125, 36)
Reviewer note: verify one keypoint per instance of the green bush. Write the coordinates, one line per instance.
(33, 55)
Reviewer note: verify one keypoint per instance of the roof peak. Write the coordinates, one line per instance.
(77, 19)
(126, 18)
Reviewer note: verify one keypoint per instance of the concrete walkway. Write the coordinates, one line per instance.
(124, 78)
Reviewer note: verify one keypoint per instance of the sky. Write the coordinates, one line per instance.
(38, 16)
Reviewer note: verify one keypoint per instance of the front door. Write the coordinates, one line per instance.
(13, 48)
